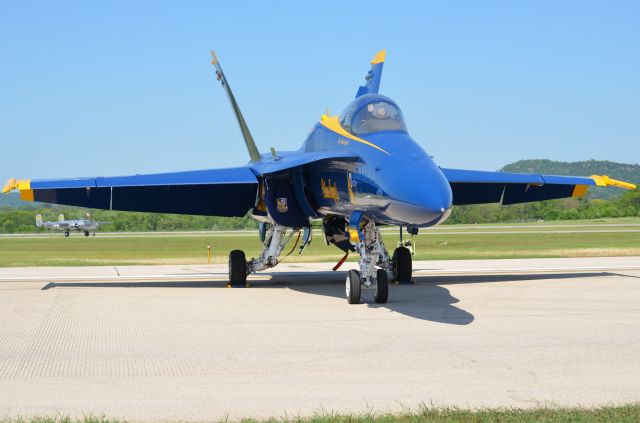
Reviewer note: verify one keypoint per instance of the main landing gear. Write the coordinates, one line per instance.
(274, 238)
(401, 265)
(375, 263)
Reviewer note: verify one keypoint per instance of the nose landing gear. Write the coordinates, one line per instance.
(353, 287)
(381, 288)
(374, 261)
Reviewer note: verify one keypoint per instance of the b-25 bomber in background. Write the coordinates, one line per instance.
(85, 225)
(353, 172)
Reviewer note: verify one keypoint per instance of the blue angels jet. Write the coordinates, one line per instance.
(354, 172)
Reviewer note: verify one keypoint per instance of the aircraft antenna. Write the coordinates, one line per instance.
(248, 139)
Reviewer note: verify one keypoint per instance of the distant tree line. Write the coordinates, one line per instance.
(23, 220)
(628, 204)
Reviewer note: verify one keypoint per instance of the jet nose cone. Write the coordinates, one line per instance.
(422, 194)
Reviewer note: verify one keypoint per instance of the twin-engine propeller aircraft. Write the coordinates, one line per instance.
(354, 172)
(85, 225)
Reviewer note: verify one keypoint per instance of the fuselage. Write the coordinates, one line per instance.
(394, 180)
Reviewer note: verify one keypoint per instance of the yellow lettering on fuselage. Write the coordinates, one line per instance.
(329, 191)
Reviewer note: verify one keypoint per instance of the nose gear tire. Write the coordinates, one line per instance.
(381, 290)
(352, 287)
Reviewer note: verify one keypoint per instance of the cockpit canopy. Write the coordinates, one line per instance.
(372, 113)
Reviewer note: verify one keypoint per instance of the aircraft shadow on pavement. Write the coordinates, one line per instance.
(136, 284)
(485, 278)
(428, 299)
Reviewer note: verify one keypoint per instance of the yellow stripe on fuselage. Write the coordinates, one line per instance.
(333, 124)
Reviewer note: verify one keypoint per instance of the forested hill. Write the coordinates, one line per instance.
(622, 171)
(12, 201)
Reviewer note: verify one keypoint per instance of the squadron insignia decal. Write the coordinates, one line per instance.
(282, 206)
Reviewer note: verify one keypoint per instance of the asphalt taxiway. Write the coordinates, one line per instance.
(170, 343)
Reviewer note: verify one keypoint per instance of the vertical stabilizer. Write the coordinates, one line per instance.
(61, 217)
(374, 76)
(39, 221)
(248, 139)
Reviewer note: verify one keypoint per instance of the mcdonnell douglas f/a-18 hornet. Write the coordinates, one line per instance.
(86, 225)
(354, 172)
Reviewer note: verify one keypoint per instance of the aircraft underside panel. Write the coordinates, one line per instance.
(216, 192)
(479, 187)
(478, 193)
(205, 200)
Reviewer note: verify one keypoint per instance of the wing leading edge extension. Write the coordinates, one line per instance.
(216, 192)
(479, 187)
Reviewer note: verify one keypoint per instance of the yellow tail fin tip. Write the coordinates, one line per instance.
(379, 57)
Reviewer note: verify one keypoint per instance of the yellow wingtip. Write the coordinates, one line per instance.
(605, 181)
(379, 57)
(10, 186)
(22, 185)
(214, 58)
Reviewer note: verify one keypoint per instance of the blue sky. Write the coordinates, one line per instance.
(110, 88)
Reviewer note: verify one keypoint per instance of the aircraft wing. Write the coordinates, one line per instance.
(478, 187)
(216, 192)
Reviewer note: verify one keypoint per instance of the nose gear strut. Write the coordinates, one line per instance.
(374, 260)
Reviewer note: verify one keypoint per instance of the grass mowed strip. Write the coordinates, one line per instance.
(78, 250)
(614, 414)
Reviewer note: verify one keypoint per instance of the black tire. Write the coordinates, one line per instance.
(381, 290)
(86, 233)
(402, 265)
(66, 234)
(237, 268)
(352, 287)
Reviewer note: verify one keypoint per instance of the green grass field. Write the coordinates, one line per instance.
(445, 242)
(619, 414)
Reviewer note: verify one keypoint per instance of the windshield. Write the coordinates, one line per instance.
(374, 117)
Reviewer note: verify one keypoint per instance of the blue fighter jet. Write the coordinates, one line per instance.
(354, 173)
